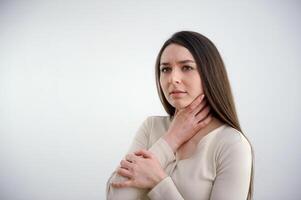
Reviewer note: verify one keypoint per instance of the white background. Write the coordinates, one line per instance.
(77, 80)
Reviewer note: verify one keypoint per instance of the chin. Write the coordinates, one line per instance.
(180, 105)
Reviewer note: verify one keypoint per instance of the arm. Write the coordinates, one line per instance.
(160, 149)
(233, 172)
(185, 124)
(166, 189)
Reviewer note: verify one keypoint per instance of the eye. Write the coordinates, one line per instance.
(187, 68)
(165, 69)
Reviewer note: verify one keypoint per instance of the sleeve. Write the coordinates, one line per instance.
(234, 165)
(166, 189)
(160, 149)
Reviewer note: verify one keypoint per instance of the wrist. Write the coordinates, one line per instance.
(159, 178)
(173, 142)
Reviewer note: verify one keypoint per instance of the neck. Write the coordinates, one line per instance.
(214, 124)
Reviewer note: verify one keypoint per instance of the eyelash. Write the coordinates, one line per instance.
(190, 68)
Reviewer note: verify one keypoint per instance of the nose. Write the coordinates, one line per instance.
(175, 77)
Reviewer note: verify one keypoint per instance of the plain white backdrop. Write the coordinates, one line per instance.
(77, 80)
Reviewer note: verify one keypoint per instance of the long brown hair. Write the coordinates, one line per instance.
(214, 78)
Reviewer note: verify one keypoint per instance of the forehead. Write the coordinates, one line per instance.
(175, 53)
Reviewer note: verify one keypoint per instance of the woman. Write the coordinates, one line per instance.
(198, 151)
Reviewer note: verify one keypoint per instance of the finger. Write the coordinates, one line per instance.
(205, 122)
(127, 183)
(199, 107)
(126, 164)
(124, 172)
(139, 152)
(144, 153)
(195, 102)
(130, 157)
(202, 114)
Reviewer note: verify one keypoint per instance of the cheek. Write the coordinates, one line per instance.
(201, 88)
(196, 85)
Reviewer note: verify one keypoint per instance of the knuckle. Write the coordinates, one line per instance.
(202, 124)
(205, 113)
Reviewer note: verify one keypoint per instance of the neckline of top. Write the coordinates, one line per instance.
(210, 134)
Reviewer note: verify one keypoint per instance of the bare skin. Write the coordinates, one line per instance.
(188, 148)
(187, 123)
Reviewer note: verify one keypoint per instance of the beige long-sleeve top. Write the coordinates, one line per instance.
(219, 169)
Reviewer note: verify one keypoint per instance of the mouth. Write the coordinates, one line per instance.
(177, 94)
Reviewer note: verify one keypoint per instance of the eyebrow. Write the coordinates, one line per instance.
(180, 62)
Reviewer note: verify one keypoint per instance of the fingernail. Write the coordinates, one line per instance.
(202, 96)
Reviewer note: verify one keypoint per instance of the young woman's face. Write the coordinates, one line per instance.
(179, 77)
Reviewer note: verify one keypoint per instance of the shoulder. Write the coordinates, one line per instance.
(156, 126)
(158, 118)
(229, 136)
(230, 143)
(157, 121)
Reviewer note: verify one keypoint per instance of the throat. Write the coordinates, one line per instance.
(187, 149)
(214, 124)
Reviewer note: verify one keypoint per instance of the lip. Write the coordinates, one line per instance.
(176, 92)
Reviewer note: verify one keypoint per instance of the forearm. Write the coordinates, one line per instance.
(166, 189)
(163, 152)
(128, 193)
(172, 141)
